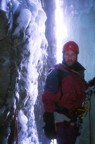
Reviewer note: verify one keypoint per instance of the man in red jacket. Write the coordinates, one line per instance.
(63, 97)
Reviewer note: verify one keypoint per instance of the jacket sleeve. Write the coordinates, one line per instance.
(50, 91)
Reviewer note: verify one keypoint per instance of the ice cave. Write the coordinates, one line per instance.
(32, 33)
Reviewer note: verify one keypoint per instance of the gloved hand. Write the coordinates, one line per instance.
(49, 127)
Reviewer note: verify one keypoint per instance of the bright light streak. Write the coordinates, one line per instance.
(61, 30)
(53, 141)
(61, 34)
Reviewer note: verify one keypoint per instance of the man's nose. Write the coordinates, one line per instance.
(70, 57)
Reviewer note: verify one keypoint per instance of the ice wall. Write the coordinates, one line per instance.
(30, 40)
(22, 57)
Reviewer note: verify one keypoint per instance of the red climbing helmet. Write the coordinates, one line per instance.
(70, 45)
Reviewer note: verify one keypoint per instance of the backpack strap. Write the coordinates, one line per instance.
(54, 78)
(61, 73)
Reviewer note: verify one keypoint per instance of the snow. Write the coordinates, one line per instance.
(23, 121)
(15, 4)
(29, 38)
(3, 4)
(23, 21)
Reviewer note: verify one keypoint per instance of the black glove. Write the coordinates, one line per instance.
(49, 128)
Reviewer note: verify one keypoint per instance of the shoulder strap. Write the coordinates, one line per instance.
(61, 71)
(54, 78)
(60, 74)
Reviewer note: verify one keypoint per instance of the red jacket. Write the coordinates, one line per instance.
(66, 89)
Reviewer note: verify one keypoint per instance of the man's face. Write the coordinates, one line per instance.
(70, 57)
